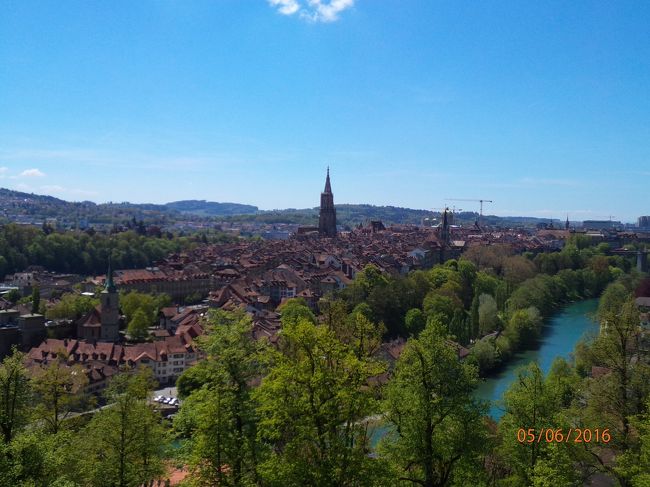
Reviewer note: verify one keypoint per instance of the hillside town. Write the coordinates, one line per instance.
(256, 276)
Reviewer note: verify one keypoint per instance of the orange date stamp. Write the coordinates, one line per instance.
(560, 435)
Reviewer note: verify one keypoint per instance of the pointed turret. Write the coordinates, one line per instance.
(566, 224)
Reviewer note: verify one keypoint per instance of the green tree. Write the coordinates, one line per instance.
(620, 394)
(59, 390)
(517, 269)
(528, 404)
(612, 300)
(219, 418)
(360, 333)
(36, 299)
(123, 443)
(487, 314)
(440, 305)
(12, 296)
(15, 395)
(634, 464)
(138, 328)
(71, 306)
(149, 304)
(439, 432)
(334, 314)
(294, 310)
(38, 459)
(484, 355)
(524, 328)
(415, 321)
(311, 406)
(475, 317)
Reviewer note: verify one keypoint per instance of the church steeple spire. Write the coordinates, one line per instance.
(328, 186)
(109, 309)
(110, 284)
(327, 216)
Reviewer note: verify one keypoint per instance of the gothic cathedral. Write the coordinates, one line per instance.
(327, 217)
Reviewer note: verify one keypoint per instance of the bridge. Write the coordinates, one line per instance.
(641, 257)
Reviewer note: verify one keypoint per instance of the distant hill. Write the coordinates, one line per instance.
(346, 215)
(33, 208)
(211, 208)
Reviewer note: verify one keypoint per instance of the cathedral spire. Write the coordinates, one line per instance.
(328, 187)
(327, 216)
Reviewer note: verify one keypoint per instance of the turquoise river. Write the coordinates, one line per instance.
(559, 337)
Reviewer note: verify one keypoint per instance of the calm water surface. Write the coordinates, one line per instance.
(559, 337)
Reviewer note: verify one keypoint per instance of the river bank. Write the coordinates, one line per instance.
(559, 337)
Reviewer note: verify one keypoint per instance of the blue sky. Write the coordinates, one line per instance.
(543, 107)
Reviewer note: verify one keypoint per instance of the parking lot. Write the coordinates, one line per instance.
(166, 397)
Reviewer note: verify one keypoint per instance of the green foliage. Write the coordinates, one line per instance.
(619, 394)
(528, 404)
(79, 252)
(414, 321)
(524, 328)
(490, 258)
(36, 299)
(193, 298)
(634, 463)
(219, 416)
(37, 459)
(294, 310)
(138, 328)
(612, 300)
(555, 468)
(149, 304)
(71, 306)
(487, 314)
(311, 405)
(441, 306)
(439, 434)
(59, 390)
(12, 296)
(15, 395)
(485, 355)
(123, 443)
(516, 269)
(193, 379)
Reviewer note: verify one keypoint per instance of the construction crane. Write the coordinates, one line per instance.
(476, 200)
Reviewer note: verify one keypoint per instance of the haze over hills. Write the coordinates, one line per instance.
(26, 207)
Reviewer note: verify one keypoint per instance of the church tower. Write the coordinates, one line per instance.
(445, 234)
(327, 217)
(109, 309)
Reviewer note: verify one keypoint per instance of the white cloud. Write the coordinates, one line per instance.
(313, 10)
(3, 171)
(286, 7)
(32, 173)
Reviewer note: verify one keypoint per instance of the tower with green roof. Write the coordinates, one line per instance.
(109, 308)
